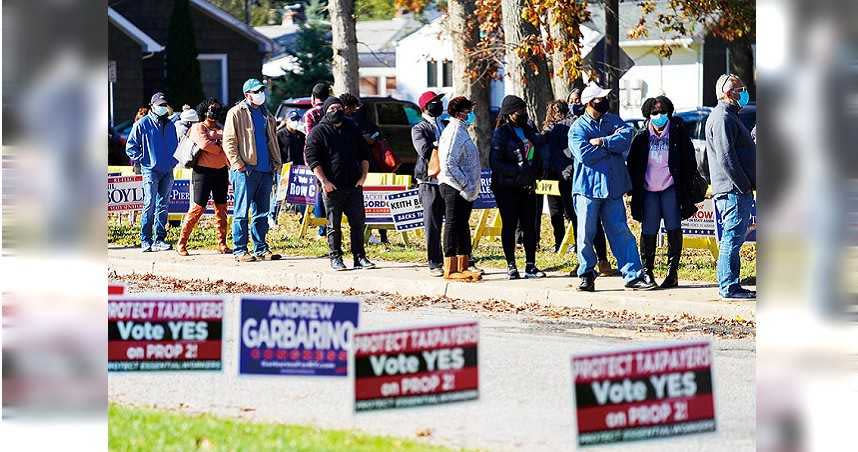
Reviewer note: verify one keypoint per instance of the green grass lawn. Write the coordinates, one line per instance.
(144, 430)
(696, 264)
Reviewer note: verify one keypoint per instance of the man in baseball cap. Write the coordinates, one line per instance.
(152, 142)
(424, 136)
(600, 141)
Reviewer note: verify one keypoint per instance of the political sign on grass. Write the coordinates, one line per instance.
(547, 187)
(375, 203)
(702, 223)
(115, 288)
(486, 200)
(301, 188)
(643, 393)
(406, 210)
(124, 193)
(418, 366)
(296, 335)
(164, 333)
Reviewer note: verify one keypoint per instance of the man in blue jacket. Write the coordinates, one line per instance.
(600, 142)
(731, 153)
(152, 142)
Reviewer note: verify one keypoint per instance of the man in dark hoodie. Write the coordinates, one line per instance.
(339, 157)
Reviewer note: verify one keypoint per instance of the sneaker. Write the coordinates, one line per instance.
(146, 247)
(245, 258)
(436, 271)
(161, 245)
(271, 223)
(472, 267)
(642, 282)
(530, 272)
(512, 272)
(337, 264)
(268, 256)
(587, 284)
(363, 263)
(740, 294)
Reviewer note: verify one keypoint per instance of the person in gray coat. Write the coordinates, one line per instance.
(732, 154)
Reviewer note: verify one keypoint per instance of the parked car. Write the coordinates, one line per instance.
(393, 116)
(695, 120)
(117, 136)
(636, 123)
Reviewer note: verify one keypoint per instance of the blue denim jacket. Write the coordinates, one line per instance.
(600, 171)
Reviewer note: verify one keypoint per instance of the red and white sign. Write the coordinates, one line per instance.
(124, 193)
(147, 333)
(375, 203)
(115, 288)
(643, 393)
(416, 366)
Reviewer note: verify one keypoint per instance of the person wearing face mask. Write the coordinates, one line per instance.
(576, 108)
(210, 176)
(732, 154)
(661, 166)
(321, 91)
(251, 146)
(459, 185)
(339, 157)
(152, 143)
(187, 118)
(599, 141)
(425, 135)
(516, 164)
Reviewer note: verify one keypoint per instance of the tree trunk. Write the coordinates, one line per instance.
(464, 39)
(742, 63)
(528, 78)
(344, 44)
(612, 52)
(560, 84)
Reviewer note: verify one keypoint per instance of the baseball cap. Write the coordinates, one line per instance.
(593, 91)
(252, 85)
(293, 115)
(428, 96)
(158, 99)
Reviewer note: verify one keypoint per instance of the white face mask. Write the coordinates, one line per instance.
(257, 98)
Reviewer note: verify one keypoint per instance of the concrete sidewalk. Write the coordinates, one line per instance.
(409, 279)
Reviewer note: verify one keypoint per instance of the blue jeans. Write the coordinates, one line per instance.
(252, 191)
(274, 208)
(613, 215)
(660, 205)
(156, 193)
(735, 210)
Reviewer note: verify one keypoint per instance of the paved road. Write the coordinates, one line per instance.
(525, 391)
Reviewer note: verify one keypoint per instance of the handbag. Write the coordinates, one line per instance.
(434, 167)
(699, 187)
(187, 152)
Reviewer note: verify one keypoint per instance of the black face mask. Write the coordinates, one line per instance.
(520, 120)
(335, 117)
(600, 105)
(578, 109)
(434, 109)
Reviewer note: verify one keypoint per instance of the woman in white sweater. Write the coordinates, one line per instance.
(459, 181)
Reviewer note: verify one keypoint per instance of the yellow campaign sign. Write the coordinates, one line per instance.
(547, 187)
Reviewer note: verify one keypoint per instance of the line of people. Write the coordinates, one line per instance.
(595, 156)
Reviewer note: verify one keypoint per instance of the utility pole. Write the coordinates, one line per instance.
(612, 51)
(247, 12)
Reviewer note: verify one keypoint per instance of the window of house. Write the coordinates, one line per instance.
(369, 86)
(213, 75)
(431, 73)
(390, 84)
(447, 76)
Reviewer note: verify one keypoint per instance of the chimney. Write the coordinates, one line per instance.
(293, 14)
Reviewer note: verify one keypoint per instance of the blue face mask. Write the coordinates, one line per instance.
(659, 120)
(159, 110)
(470, 118)
(744, 98)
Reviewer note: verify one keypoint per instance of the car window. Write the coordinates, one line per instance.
(413, 115)
(391, 114)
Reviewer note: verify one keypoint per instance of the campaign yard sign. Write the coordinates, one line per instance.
(702, 223)
(644, 393)
(115, 288)
(375, 203)
(486, 199)
(124, 193)
(296, 335)
(406, 210)
(416, 366)
(302, 187)
(146, 333)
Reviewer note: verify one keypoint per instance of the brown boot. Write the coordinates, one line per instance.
(462, 262)
(451, 267)
(220, 214)
(188, 224)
